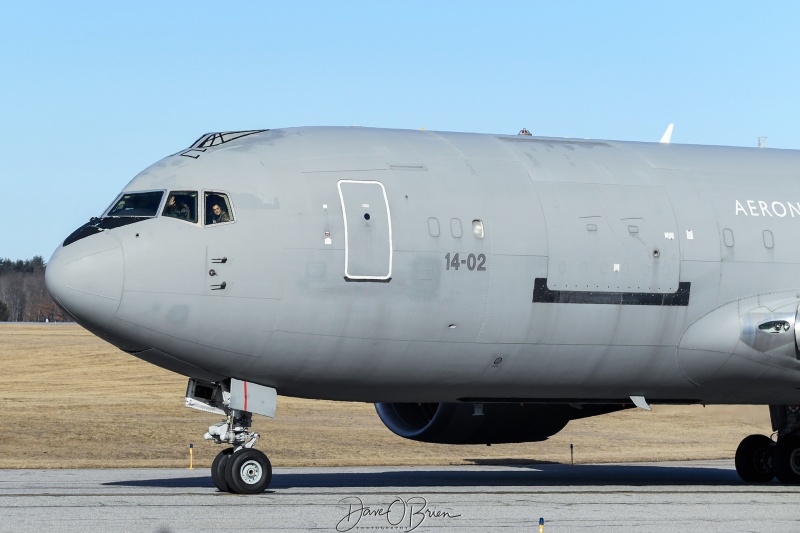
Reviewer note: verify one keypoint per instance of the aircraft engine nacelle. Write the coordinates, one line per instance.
(742, 338)
(490, 423)
(775, 332)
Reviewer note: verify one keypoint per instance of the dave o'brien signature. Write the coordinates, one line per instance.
(407, 514)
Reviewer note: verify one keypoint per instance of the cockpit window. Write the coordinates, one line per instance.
(137, 204)
(181, 205)
(218, 208)
(129, 208)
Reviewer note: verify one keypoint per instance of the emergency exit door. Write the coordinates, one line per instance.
(367, 231)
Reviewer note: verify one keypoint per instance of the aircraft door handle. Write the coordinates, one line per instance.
(219, 287)
(219, 260)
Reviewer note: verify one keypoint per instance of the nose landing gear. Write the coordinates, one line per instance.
(241, 468)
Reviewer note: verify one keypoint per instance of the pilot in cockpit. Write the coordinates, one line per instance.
(176, 209)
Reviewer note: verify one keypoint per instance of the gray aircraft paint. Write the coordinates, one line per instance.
(404, 325)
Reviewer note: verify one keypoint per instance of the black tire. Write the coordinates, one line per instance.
(787, 460)
(754, 459)
(248, 471)
(218, 469)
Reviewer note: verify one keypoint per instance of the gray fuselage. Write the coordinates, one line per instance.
(415, 266)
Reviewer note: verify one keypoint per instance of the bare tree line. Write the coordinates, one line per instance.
(23, 295)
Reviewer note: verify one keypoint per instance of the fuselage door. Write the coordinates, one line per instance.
(367, 231)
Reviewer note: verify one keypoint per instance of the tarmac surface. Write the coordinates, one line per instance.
(641, 497)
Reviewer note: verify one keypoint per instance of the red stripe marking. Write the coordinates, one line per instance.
(245, 395)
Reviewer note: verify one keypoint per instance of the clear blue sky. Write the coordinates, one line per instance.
(93, 92)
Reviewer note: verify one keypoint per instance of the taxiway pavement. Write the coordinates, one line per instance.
(668, 497)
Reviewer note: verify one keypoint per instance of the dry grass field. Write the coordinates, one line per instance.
(70, 400)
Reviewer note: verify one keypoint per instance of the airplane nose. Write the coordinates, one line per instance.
(86, 278)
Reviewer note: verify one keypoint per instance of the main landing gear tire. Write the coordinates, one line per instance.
(248, 471)
(754, 459)
(787, 459)
(218, 469)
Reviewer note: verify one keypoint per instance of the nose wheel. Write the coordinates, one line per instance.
(243, 471)
(248, 471)
(218, 469)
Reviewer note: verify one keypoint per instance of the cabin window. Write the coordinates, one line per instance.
(455, 228)
(136, 204)
(769, 239)
(218, 208)
(727, 236)
(433, 227)
(181, 205)
(477, 229)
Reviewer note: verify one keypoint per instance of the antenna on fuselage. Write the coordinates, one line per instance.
(762, 142)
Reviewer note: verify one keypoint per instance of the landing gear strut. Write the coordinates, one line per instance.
(240, 468)
(759, 459)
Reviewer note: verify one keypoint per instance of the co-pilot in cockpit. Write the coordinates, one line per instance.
(181, 205)
(218, 209)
